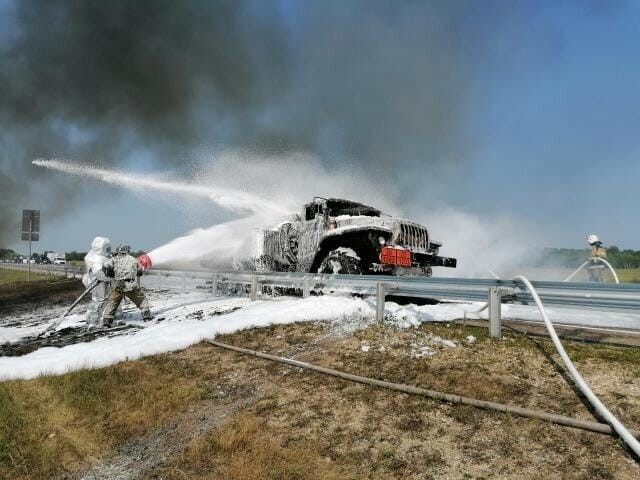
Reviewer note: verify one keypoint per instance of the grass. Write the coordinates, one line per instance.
(629, 275)
(15, 276)
(625, 275)
(243, 449)
(52, 425)
(301, 425)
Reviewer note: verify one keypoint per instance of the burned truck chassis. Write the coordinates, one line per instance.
(341, 236)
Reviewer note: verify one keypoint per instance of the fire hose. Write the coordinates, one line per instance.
(614, 425)
(144, 261)
(53, 325)
(433, 394)
(603, 411)
(598, 259)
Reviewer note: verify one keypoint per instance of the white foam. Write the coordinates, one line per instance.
(178, 331)
(181, 328)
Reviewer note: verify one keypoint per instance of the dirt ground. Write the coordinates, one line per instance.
(339, 429)
(26, 297)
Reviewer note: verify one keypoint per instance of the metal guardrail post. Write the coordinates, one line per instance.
(254, 288)
(306, 287)
(380, 302)
(495, 310)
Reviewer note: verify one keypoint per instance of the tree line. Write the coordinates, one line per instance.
(574, 257)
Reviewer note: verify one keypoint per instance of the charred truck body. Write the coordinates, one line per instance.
(341, 236)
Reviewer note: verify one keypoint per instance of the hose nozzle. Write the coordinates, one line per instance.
(145, 261)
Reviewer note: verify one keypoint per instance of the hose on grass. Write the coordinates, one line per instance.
(603, 411)
(432, 394)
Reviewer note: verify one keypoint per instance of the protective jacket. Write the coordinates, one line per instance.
(598, 251)
(94, 261)
(124, 271)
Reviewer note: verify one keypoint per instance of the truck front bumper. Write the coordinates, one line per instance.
(401, 257)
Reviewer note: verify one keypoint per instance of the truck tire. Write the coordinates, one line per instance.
(341, 260)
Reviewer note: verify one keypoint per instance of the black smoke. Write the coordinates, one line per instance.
(380, 84)
(92, 80)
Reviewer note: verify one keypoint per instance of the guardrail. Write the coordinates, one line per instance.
(599, 296)
(623, 297)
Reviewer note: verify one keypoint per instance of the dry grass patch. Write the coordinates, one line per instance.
(53, 425)
(309, 426)
(373, 433)
(244, 449)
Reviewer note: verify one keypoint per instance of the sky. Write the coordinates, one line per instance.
(526, 110)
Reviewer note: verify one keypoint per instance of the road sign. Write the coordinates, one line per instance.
(31, 225)
(30, 232)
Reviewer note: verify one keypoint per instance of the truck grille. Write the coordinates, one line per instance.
(414, 236)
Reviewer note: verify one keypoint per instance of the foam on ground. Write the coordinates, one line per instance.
(189, 318)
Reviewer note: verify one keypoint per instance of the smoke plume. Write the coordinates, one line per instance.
(378, 85)
(378, 88)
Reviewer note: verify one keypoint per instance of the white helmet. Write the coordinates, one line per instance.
(593, 239)
(101, 246)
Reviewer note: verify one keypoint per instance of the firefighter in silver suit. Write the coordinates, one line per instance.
(94, 260)
(124, 270)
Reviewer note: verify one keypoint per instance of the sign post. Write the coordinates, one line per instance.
(30, 232)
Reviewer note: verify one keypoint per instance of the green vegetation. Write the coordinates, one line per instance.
(17, 276)
(73, 255)
(8, 254)
(629, 275)
(573, 257)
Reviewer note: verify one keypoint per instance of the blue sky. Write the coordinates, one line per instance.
(560, 123)
(548, 119)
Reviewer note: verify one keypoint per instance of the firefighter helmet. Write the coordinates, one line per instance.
(123, 249)
(593, 239)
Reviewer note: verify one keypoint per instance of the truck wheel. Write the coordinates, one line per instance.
(341, 260)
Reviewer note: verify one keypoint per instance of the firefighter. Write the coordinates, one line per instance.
(595, 269)
(99, 253)
(124, 270)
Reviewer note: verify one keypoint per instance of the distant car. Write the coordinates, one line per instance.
(59, 261)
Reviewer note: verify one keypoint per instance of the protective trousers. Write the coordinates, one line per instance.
(99, 297)
(136, 295)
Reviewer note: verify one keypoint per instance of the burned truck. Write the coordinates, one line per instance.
(341, 236)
